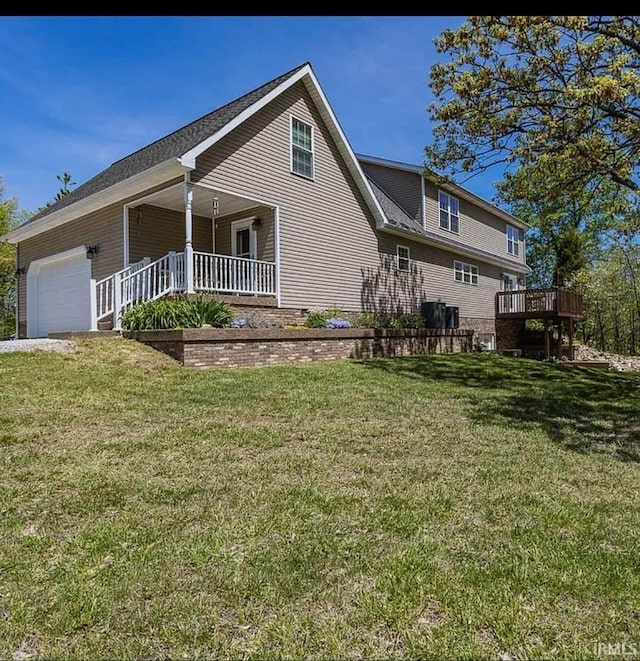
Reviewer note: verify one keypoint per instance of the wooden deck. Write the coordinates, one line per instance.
(539, 304)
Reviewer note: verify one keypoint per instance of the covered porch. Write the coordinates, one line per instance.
(194, 239)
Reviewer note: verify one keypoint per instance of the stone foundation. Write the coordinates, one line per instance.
(484, 326)
(258, 347)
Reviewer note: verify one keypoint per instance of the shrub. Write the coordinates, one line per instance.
(316, 320)
(177, 313)
(319, 318)
(337, 322)
(400, 321)
(366, 320)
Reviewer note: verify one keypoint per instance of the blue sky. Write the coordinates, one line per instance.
(77, 94)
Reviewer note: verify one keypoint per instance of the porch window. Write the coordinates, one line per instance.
(403, 258)
(449, 212)
(301, 148)
(513, 240)
(467, 273)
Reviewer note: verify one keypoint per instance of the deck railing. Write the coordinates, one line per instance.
(539, 303)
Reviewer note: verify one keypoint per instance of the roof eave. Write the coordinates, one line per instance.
(128, 188)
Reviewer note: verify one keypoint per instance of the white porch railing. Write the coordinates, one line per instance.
(148, 281)
(234, 275)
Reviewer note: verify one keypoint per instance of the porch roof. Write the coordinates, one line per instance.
(172, 198)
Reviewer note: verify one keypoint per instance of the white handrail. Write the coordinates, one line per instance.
(105, 288)
(152, 281)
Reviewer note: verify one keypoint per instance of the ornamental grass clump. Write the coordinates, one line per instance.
(177, 313)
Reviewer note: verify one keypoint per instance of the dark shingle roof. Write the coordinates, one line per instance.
(395, 214)
(170, 146)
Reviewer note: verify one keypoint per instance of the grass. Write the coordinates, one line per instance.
(446, 506)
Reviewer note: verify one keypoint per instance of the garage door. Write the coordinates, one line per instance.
(59, 293)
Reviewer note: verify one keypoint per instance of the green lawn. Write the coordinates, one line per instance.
(445, 506)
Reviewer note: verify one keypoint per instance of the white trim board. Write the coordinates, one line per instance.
(119, 192)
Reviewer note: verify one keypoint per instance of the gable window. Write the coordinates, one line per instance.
(467, 273)
(403, 258)
(513, 240)
(449, 212)
(301, 148)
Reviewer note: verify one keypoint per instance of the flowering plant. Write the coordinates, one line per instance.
(238, 323)
(337, 322)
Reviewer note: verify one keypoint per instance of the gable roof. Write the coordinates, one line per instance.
(399, 219)
(446, 185)
(175, 155)
(170, 146)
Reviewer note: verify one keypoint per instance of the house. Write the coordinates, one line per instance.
(264, 201)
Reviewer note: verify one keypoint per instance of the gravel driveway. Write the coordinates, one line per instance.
(44, 344)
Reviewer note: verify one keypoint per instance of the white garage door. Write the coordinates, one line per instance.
(59, 293)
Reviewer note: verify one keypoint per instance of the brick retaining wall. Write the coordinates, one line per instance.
(222, 347)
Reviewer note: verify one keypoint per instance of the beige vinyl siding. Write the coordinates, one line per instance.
(404, 187)
(154, 231)
(327, 232)
(103, 228)
(431, 278)
(478, 228)
(264, 233)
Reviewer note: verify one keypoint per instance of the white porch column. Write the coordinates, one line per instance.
(276, 240)
(125, 237)
(188, 234)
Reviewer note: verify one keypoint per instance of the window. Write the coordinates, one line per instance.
(466, 273)
(404, 258)
(509, 282)
(488, 340)
(301, 148)
(449, 213)
(513, 240)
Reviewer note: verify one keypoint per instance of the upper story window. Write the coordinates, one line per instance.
(513, 240)
(403, 255)
(449, 212)
(301, 148)
(467, 273)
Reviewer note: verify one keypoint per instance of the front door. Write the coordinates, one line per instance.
(243, 239)
(244, 245)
